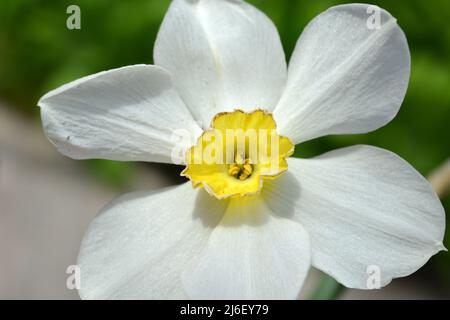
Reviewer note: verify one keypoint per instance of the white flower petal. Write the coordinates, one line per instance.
(343, 76)
(362, 207)
(128, 113)
(223, 55)
(252, 254)
(139, 245)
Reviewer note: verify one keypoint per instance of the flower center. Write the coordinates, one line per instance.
(241, 169)
(238, 152)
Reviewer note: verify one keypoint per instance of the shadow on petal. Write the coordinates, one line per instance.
(282, 194)
(209, 209)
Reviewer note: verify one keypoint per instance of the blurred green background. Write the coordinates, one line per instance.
(38, 53)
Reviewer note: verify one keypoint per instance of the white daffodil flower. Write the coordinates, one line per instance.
(248, 231)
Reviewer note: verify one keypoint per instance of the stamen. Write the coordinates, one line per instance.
(234, 170)
(241, 169)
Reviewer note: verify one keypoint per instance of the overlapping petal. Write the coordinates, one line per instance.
(131, 113)
(251, 254)
(364, 208)
(224, 55)
(139, 245)
(345, 75)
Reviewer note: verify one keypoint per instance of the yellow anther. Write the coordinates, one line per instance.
(243, 176)
(248, 168)
(234, 170)
(241, 169)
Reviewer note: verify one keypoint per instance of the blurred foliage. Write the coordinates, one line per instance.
(38, 53)
(113, 173)
(327, 289)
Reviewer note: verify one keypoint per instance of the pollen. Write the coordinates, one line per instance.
(237, 153)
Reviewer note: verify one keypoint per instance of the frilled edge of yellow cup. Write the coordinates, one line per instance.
(216, 177)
